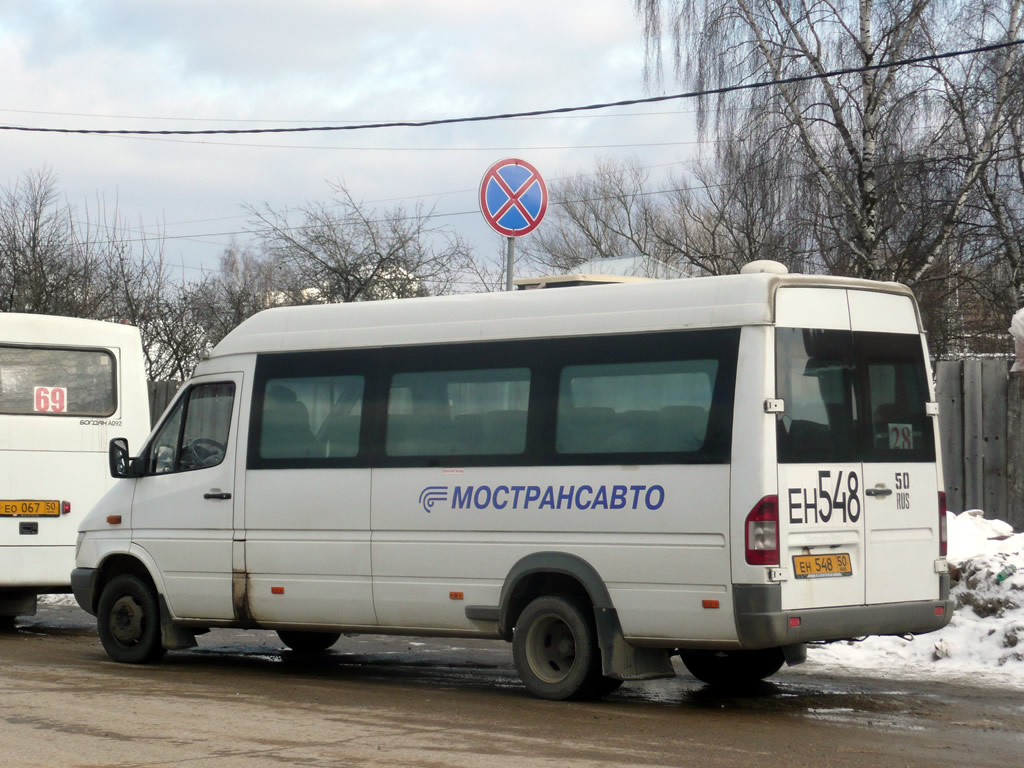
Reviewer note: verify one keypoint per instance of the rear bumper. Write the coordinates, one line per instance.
(83, 585)
(761, 622)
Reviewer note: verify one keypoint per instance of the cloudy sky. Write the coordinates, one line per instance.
(254, 63)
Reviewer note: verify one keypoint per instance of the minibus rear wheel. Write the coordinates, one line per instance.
(733, 669)
(308, 642)
(128, 619)
(555, 649)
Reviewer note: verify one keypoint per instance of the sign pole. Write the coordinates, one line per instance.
(510, 255)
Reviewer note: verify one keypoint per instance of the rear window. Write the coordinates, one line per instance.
(851, 397)
(48, 381)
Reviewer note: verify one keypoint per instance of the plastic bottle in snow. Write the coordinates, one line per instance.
(1006, 573)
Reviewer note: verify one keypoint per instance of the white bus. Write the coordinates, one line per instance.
(723, 468)
(67, 386)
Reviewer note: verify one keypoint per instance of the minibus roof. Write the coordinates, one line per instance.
(704, 302)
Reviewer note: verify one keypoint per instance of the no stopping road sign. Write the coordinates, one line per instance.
(513, 197)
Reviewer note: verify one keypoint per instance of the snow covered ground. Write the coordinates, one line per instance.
(983, 642)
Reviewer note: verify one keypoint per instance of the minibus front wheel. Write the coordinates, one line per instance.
(128, 619)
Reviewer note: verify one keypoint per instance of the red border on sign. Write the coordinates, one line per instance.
(513, 197)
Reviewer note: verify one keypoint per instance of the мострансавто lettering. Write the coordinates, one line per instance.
(575, 497)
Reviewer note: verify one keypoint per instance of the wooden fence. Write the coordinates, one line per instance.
(981, 426)
(160, 394)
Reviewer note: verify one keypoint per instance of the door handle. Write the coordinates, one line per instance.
(878, 490)
(216, 494)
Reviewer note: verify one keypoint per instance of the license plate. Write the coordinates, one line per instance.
(822, 566)
(29, 508)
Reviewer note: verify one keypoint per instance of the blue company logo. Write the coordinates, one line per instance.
(568, 497)
(432, 494)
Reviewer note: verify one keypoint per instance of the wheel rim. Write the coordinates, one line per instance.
(551, 648)
(126, 620)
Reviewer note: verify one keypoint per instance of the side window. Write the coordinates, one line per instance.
(202, 440)
(469, 413)
(637, 407)
(311, 416)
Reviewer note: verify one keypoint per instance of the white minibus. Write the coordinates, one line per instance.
(723, 468)
(67, 385)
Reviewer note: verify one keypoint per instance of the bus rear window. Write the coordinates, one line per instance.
(47, 381)
(851, 397)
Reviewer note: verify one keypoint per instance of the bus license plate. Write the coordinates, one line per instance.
(29, 508)
(822, 566)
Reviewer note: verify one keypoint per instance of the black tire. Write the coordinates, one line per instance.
(308, 642)
(733, 669)
(128, 619)
(555, 649)
(6, 623)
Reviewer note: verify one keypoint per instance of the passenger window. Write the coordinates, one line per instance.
(311, 416)
(469, 413)
(645, 407)
(202, 441)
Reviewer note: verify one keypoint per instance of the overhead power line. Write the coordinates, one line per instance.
(530, 113)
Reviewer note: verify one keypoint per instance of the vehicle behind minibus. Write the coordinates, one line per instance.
(67, 385)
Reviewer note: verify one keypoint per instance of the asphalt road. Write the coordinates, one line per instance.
(239, 699)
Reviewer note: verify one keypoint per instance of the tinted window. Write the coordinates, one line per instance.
(635, 407)
(311, 416)
(61, 382)
(445, 413)
(851, 397)
(815, 377)
(897, 390)
(531, 402)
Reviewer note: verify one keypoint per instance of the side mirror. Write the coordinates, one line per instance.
(120, 462)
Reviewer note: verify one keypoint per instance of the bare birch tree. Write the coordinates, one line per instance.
(848, 135)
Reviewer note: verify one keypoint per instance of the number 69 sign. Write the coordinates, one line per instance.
(51, 399)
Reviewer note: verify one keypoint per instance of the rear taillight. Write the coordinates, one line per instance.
(942, 524)
(65, 507)
(762, 532)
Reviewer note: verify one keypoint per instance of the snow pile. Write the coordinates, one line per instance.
(985, 637)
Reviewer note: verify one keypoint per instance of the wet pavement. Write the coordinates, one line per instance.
(242, 698)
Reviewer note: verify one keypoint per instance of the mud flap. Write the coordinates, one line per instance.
(173, 637)
(17, 604)
(622, 661)
(795, 654)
